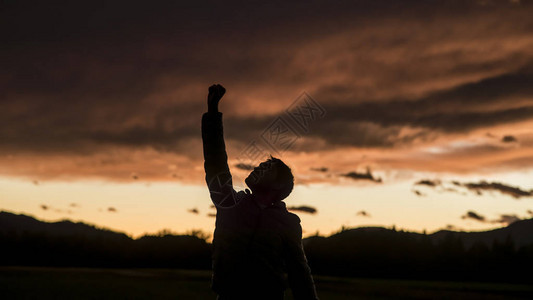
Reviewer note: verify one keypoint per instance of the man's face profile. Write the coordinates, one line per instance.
(262, 178)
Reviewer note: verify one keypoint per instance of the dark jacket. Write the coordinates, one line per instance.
(257, 252)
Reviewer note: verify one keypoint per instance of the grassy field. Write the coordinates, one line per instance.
(57, 283)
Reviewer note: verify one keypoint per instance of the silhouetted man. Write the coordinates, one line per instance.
(257, 242)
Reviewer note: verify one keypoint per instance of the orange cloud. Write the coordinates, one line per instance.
(402, 91)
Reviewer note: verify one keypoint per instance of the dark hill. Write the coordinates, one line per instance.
(493, 255)
(27, 241)
(20, 224)
(520, 232)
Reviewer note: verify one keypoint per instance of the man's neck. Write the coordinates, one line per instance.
(262, 200)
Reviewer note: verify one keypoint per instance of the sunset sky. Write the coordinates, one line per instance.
(427, 121)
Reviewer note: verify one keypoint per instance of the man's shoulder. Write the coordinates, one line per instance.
(292, 219)
(294, 228)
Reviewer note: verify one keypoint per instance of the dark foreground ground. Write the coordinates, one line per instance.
(56, 283)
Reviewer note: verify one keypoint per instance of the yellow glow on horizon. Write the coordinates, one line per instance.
(150, 207)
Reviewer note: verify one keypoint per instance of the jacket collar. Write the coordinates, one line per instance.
(279, 204)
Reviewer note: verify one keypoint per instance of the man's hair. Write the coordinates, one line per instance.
(284, 178)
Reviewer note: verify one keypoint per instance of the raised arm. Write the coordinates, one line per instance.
(217, 174)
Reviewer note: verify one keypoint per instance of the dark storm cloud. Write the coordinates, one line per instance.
(461, 109)
(362, 176)
(501, 99)
(475, 216)
(303, 208)
(83, 78)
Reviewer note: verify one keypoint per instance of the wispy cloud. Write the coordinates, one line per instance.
(478, 187)
(362, 176)
(193, 211)
(303, 208)
(244, 166)
(418, 193)
(428, 182)
(507, 219)
(509, 139)
(362, 213)
(504, 219)
(474, 216)
(505, 189)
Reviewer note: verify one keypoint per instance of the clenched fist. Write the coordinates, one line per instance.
(216, 91)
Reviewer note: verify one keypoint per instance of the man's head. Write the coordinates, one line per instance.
(272, 178)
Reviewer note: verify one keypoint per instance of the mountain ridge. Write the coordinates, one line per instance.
(376, 252)
(519, 231)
